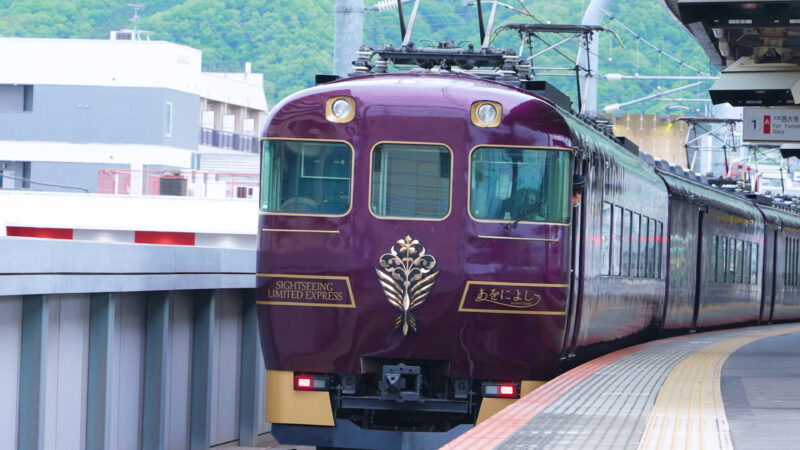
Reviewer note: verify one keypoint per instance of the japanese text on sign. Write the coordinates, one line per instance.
(771, 124)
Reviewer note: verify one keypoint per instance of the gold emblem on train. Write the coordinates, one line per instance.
(407, 279)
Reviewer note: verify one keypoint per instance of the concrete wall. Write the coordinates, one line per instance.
(114, 218)
(126, 347)
(654, 135)
(102, 114)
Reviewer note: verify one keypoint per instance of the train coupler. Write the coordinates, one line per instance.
(401, 383)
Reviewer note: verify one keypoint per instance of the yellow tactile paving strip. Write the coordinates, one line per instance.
(689, 411)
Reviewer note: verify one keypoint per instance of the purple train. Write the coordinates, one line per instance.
(421, 266)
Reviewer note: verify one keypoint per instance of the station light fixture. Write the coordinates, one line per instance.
(500, 390)
(486, 114)
(310, 383)
(340, 109)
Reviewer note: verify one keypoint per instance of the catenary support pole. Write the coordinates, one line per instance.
(593, 16)
(349, 28)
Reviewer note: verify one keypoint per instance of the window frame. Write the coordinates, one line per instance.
(746, 262)
(713, 260)
(526, 147)
(450, 191)
(261, 175)
(627, 216)
(168, 120)
(644, 229)
(606, 232)
(616, 240)
(636, 243)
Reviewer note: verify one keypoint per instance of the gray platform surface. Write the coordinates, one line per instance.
(615, 406)
(761, 391)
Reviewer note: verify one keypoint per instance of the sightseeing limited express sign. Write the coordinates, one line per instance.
(305, 290)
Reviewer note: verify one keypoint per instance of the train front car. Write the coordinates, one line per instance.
(413, 267)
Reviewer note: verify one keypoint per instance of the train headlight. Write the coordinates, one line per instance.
(340, 109)
(486, 114)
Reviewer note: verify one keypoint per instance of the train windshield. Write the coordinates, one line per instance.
(306, 177)
(410, 180)
(509, 183)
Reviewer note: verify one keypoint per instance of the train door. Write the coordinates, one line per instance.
(770, 276)
(699, 269)
(577, 263)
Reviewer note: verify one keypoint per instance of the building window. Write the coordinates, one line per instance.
(168, 120)
(16, 98)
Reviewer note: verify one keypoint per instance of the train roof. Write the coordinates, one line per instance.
(695, 192)
(783, 218)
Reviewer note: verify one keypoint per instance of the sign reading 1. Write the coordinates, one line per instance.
(771, 124)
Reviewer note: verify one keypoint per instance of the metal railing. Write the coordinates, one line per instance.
(229, 140)
(178, 183)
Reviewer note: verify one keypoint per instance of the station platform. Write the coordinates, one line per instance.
(716, 390)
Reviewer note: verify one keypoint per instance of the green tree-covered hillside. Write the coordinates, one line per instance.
(292, 40)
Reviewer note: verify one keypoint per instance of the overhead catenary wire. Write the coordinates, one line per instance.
(651, 45)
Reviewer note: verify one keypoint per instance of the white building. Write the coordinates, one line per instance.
(72, 107)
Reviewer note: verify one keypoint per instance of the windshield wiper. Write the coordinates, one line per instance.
(522, 215)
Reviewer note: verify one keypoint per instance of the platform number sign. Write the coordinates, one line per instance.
(771, 124)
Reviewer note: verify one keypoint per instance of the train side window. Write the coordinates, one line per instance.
(723, 260)
(712, 266)
(606, 239)
(660, 246)
(651, 248)
(795, 263)
(626, 243)
(754, 264)
(739, 258)
(790, 265)
(789, 268)
(731, 276)
(786, 261)
(746, 263)
(616, 243)
(306, 177)
(793, 273)
(643, 246)
(410, 180)
(524, 184)
(635, 244)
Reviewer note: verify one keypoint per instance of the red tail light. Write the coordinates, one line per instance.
(310, 383)
(502, 390)
(303, 383)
